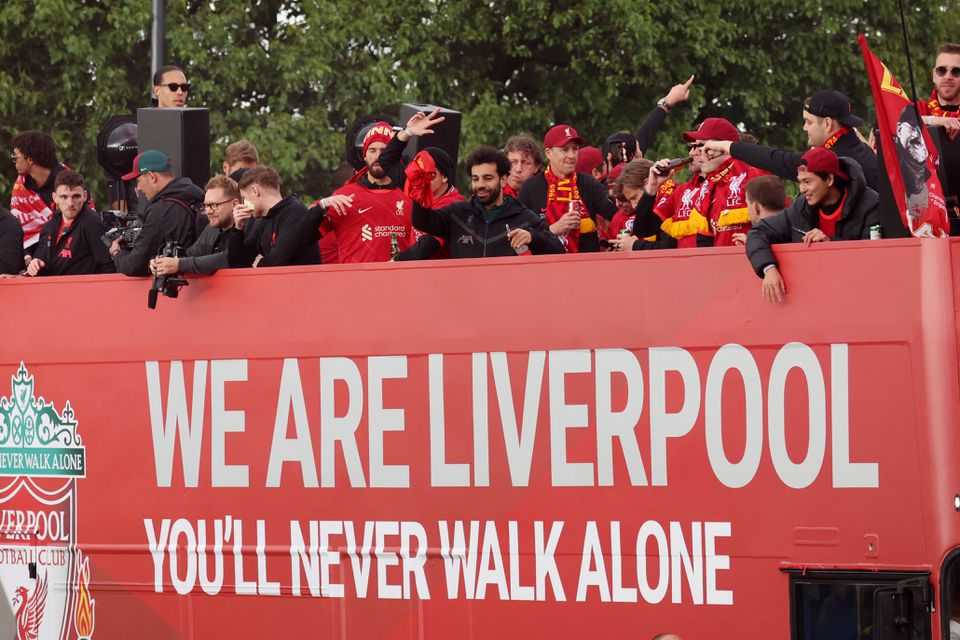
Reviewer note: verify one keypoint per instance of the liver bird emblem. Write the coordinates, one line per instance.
(30, 608)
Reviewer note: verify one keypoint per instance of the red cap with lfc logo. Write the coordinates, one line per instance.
(561, 135)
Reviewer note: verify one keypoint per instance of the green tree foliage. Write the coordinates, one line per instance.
(292, 75)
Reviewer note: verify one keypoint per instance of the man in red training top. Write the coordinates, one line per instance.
(442, 186)
(379, 209)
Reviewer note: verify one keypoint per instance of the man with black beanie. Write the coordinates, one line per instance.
(442, 185)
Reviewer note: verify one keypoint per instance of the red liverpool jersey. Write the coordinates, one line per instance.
(724, 207)
(675, 207)
(363, 233)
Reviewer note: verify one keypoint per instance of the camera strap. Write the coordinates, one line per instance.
(181, 203)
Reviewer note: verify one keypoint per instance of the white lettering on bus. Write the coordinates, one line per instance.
(606, 401)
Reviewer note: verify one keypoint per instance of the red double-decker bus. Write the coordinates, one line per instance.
(603, 446)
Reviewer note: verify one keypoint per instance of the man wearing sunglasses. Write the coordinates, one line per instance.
(170, 87)
(943, 107)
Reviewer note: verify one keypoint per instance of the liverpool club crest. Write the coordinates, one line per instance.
(42, 570)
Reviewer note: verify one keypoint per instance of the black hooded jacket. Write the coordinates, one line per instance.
(11, 243)
(171, 215)
(469, 233)
(288, 234)
(785, 163)
(860, 212)
(533, 195)
(78, 250)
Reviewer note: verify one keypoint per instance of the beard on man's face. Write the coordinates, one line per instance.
(487, 195)
(375, 170)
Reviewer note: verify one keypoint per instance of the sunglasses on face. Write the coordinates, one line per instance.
(173, 86)
(942, 71)
(694, 145)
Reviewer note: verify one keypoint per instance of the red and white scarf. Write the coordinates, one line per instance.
(30, 209)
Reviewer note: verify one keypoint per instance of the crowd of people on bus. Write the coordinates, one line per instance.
(561, 196)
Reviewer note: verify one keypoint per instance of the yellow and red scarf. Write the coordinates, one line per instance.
(832, 140)
(934, 108)
(562, 193)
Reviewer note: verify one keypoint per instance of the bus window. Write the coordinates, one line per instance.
(849, 605)
(950, 596)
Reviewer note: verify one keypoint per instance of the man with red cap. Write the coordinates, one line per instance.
(569, 201)
(718, 209)
(835, 204)
(590, 161)
(377, 209)
(828, 123)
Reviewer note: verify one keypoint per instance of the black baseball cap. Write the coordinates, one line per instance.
(830, 103)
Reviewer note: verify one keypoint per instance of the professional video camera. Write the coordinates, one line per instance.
(167, 285)
(121, 224)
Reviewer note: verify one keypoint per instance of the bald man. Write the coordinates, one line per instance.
(666, 636)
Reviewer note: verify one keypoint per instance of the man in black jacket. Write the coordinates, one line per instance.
(287, 233)
(170, 216)
(828, 123)
(561, 196)
(489, 224)
(70, 241)
(11, 244)
(835, 204)
(220, 245)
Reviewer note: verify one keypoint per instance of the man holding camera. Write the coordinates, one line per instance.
(70, 240)
(209, 253)
(170, 216)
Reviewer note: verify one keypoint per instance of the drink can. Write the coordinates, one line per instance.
(876, 232)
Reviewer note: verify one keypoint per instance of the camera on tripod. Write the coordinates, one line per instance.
(167, 285)
(121, 224)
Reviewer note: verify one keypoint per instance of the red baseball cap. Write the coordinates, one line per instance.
(713, 129)
(615, 173)
(589, 159)
(820, 160)
(561, 135)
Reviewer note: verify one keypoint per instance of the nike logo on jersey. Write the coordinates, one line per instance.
(364, 210)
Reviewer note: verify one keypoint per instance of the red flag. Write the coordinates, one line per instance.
(908, 153)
